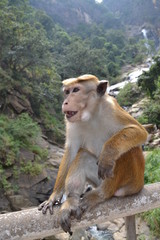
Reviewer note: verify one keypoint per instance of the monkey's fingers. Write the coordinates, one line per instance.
(41, 205)
(104, 172)
(46, 205)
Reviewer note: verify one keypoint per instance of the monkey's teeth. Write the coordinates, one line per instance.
(70, 114)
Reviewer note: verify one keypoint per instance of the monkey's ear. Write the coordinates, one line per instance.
(102, 86)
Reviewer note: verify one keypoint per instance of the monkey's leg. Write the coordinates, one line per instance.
(105, 191)
(83, 168)
(57, 194)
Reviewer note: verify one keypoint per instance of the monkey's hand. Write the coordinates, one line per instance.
(106, 170)
(54, 199)
(107, 162)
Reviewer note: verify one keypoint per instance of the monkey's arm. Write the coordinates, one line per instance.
(59, 186)
(120, 143)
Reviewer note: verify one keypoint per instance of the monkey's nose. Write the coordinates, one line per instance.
(65, 102)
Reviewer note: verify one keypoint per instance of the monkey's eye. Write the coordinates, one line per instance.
(67, 92)
(76, 89)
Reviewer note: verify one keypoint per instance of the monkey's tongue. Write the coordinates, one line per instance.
(70, 114)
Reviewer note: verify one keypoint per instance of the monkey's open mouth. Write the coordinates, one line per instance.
(70, 114)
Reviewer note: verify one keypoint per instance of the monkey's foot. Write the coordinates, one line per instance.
(65, 220)
(90, 200)
(68, 211)
(66, 216)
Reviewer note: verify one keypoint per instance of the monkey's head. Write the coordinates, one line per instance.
(82, 96)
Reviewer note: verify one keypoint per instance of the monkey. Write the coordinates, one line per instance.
(102, 147)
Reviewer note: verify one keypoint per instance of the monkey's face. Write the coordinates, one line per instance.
(82, 99)
(75, 105)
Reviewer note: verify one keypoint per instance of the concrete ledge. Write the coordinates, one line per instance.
(32, 224)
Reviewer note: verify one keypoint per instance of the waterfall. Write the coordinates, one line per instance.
(144, 32)
(98, 1)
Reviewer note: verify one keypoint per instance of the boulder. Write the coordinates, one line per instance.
(17, 102)
(151, 128)
(155, 143)
(4, 203)
(19, 202)
(136, 110)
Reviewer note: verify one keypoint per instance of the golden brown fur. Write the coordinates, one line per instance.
(99, 131)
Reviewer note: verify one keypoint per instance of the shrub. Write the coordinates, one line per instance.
(128, 95)
(31, 168)
(152, 174)
(152, 168)
(24, 129)
(15, 134)
(42, 153)
(52, 125)
(151, 113)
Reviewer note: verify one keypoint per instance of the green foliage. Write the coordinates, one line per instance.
(52, 126)
(27, 61)
(8, 147)
(34, 50)
(16, 134)
(150, 84)
(152, 175)
(129, 95)
(141, 237)
(143, 119)
(31, 168)
(151, 112)
(23, 129)
(113, 69)
(149, 80)
(4, 183)
(26, 54)
(38, 151)
(153, 219)
(152, 168)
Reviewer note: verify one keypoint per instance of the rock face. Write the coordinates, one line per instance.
(15, 103)
(154, 138)
(137, 109)
(32, 190)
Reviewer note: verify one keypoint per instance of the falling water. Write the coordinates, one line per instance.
(100, 235)
(144, 32)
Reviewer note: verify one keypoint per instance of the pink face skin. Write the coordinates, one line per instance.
(81, 99)
(74, 102)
